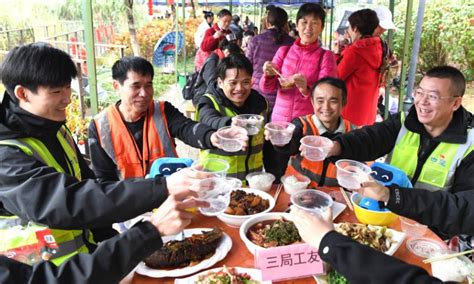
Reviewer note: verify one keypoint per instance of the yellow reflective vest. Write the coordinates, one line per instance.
(438, 171)
(241, 162)
(70, 242)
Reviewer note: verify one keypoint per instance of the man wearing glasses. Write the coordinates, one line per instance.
(432, 144)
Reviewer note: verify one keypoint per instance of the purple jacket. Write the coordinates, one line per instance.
(310, 60)
(261, 49)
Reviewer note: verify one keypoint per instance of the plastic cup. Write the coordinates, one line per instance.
(213, 166)
(315, 148)
(286, 83)
(231, 137)
(280, 132)
(216, 191)
(234, 182)
(314, 201)
(412, 228)
(350, 174)
(251, 122)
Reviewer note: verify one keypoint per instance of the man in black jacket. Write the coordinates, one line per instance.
(43, 177)
(451, 212)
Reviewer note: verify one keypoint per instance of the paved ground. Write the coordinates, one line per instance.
(174, 96)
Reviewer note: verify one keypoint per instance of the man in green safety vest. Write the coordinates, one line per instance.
(43, 177)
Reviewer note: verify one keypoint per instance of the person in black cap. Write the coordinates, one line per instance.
(203, 27)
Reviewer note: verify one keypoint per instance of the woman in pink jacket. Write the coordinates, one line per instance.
(302, 63)
(359, 67)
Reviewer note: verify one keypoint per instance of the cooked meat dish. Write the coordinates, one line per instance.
(244, 203)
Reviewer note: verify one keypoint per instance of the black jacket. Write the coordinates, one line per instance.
(452, 213)
(33, 191)
(207, 77)
(111, 262)
(190, 132)
(372, 142)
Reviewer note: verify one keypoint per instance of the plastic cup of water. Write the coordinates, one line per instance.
(350, 174)
(315, 148)
(280, 132)
(231, 137)
(215, 167)
(251, 122)
(314, 201)
(216, 191)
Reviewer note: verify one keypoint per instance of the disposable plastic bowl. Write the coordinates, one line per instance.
(251, 122)
(412, 228)
(366, 216)
(315, 148)
(350, 174)
(217, 167)
(314, 201)
(455, 269)
(294, 183)
(234, 182)
(286, 83)
(260, 180)
(280, 132)
(216, 191)
(231, 137)
(237, 220)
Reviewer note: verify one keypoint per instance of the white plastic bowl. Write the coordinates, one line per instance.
(294, 183)
(237, 220)
(350, 174)
(315, 148)
(254, 220)
(251, 122)
(231, 137)
(313, 201)
(260, 180)
(280, 132)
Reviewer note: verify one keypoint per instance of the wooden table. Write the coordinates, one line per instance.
(240, 256)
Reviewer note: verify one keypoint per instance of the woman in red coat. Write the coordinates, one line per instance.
(359, 67)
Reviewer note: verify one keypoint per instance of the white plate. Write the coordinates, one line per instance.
(397, 239)
(222, 249)
(256, 275)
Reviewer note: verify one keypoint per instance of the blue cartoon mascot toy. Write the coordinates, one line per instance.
(168, 166)
(387, 175)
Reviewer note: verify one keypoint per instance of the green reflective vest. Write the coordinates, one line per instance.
(437, 172)
(70, 242)
(241, 162)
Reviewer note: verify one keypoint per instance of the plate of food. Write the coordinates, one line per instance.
(200, 249)
(225, 275)
(379, 238)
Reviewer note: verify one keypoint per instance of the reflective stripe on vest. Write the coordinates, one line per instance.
(314, 170)
(438, 171)
(70, 242)
(241, 162)
(116, 141)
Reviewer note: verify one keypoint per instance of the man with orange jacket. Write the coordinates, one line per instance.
(126, 137)
(328, 98)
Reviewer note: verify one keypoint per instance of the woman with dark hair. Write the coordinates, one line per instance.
(302, 63)
(263, 47)
(212, 37)
(359, 66)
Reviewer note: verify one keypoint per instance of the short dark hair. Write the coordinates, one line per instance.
(458, 81)
(131, 63)
(223, 13)
(335, 82)
(311, 9)
(365, 20)
(35, 65)
(231, 46)
(237, 61)
(208, 14)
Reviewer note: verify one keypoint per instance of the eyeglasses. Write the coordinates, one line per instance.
(433, 96)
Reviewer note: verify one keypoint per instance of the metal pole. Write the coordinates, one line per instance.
(230, 6)
(406, 43)
(390, 46)
(184, 37)
(416, 48)
(89, 40)
(331, 24)
(176, 41)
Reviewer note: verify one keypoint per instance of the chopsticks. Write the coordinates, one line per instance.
(277, 194)
(278, 73)
(346, 199)
(447, 256)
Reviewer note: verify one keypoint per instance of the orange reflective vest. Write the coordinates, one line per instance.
(119, 144)
(321, 173)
